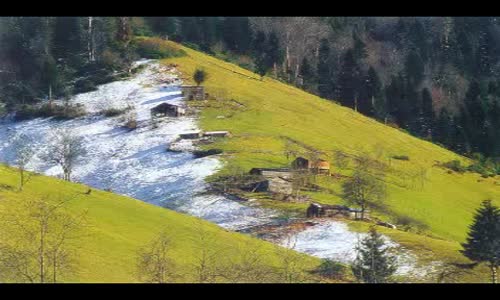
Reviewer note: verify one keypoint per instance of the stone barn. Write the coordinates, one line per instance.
(272, 172)
(273, 180)
(277, 185)
(166, 109)
(193, 92)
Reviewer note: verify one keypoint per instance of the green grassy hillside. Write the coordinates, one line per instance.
(118, 226)
(264, 115)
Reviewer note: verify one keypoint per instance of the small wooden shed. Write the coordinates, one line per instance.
(316, 210)
(322, 167)
(166, 109)
(301, 163)
(319, 167)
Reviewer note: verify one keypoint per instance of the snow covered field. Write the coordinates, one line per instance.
(136, 163)
(334, 240)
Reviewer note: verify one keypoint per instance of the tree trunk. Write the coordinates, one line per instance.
(50, 94)
(54, 267)
(493, 269)
(21, 171)
(41, 254)
(90, 40)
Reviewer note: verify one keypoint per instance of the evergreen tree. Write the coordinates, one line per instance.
(274, 51)
(324, 72)
(427, 112)
(67, 41)
(237, 34)
(374, 263)
(199, 76)
(262, 65)
(483, 240)
(307, 74)
(359, 47)
(414, 69)
(259, 43)
(348, 82)
(371, 101)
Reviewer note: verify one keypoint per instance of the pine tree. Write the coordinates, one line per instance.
(307, 73)
(259, 43)
(359, 47)
(426, 112)
(262, 65)
(414, 68)
(348, 82)
(274, 51)
(374, 264)
(483, 240)
(237, 34)
(324, 72)
(370, 101)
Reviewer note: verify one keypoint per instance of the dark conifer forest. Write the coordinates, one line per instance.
(434, 77)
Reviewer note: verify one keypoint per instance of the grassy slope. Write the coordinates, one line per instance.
(120, 225)
(271, 109)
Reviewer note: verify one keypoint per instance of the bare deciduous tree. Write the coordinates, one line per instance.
(364, 188)
(248, 265)
(207, 258)
(300, 179)
(65, 151)
(154, 261)
(292, 268)
(38, 236)
(24, 152)
(341, 159)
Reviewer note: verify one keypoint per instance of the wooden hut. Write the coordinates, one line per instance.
(316, 210)
(166, 109)
(301, 163)
(322, 167)
(318, 167)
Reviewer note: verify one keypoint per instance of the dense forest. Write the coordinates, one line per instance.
(435, 77)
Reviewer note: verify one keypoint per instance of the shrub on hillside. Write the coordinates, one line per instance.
(331, 269)
(455, 165)
(408, 223)
(61, 112)
(156, 48)
(84, 85)
(401, 157)
(113, 112)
